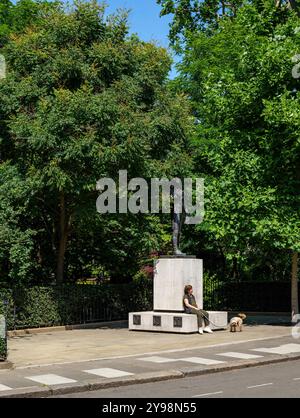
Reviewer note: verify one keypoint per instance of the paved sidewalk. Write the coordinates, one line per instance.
(107, 342)
(80, 360)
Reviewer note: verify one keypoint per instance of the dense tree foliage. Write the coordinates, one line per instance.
(16, 16)
(192, 16)
(246, 101)
(81, 101)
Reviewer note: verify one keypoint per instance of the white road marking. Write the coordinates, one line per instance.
(207, 394)
(296, 378)
(239, 355)
(178, 350)
(157, 359)
(4, 387)
(109, 373)
(259, 386)
(282, 349)
(51, 379)
(200, 360)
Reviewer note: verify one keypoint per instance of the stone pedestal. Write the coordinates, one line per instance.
(171, 275)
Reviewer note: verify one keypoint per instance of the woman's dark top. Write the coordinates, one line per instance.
(192, 301)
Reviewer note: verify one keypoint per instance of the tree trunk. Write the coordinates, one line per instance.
(63, 238)
(223, 260)
(39, 255)
(294, 5)
(235, 269)
(294, 296)
(290, 4)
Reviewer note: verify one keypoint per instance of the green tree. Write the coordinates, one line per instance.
(15, 17)
(191, 16)
(246, 102)
(82, 100)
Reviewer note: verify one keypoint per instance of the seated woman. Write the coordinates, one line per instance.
(191, 307)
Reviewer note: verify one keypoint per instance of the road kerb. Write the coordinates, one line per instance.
(47, 330)
(70, 388)
(149, 377)
(4, 365)
(27, 392)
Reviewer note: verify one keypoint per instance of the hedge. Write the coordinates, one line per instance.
(3, 340)
(3, 349)
(6, 306)
(42, 306)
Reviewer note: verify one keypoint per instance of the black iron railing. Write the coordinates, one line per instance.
(41, 306)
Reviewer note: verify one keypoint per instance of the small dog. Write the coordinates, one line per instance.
(237, 322)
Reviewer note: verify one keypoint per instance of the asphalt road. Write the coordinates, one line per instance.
(272, 381)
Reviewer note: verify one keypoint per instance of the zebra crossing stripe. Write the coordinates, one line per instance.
(157, 359)
(282, 349)
(109, 373)
(4, 387)
(200, 360)
(50, 379)
(242, 356)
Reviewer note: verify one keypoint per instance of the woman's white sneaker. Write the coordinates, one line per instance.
(200, 331)
(208, 330)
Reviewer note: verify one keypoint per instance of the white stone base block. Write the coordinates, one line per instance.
(219, 320)
(173, 321)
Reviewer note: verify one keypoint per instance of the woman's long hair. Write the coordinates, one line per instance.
(187, 289)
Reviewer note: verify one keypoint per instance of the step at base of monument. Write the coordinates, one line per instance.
(174, 321)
